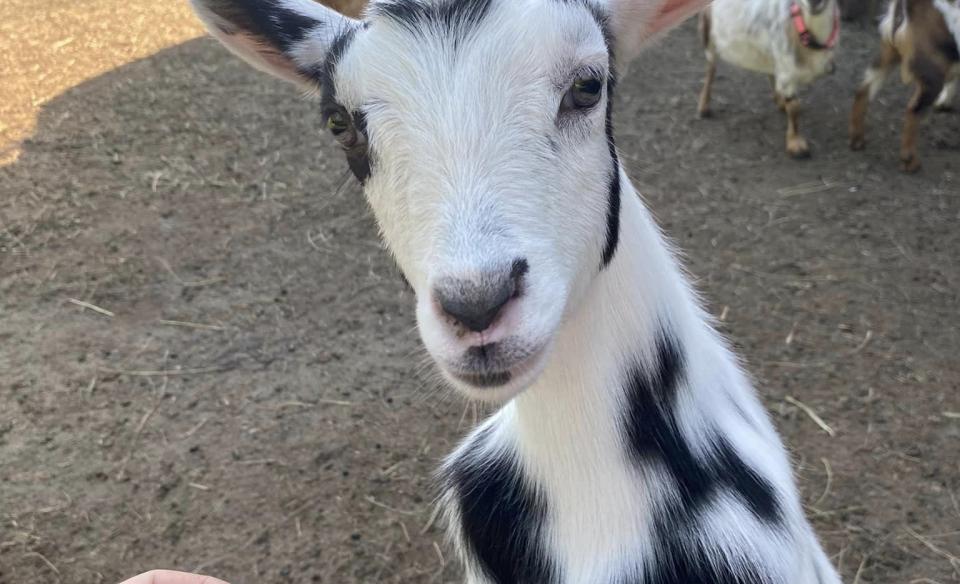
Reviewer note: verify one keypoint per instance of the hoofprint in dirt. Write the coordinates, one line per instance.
(209, 361)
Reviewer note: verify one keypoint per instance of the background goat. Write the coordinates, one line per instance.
(923, 37)
(792, 42)
(631, 448)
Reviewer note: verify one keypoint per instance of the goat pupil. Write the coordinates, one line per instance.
(586, 92)
(337, 123)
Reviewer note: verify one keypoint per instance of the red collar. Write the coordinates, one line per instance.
(806, 38)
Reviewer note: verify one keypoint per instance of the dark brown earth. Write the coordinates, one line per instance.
(292, 438)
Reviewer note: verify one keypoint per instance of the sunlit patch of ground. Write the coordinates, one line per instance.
(49, 46)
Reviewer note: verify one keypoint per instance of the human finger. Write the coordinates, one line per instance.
(169, 577)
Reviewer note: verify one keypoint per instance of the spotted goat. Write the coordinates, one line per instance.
(629, 447)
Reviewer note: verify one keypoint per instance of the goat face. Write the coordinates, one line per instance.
(481, 132)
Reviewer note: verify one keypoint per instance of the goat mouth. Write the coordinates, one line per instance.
(492, 371)
(485, 380)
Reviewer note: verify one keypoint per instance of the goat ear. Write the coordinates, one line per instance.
(286, 38)
(635, 23)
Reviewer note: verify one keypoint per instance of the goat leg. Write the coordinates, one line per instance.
(873, 80)
(922, 99)
(777, 96)
(703, 108)
(796, 144)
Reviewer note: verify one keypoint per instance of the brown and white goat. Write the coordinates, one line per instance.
(923, 37)
(792, 41)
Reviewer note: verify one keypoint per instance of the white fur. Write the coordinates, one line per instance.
(945, 99)
(473, 169)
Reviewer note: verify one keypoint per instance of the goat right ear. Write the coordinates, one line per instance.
(286, 38)
(636, 23)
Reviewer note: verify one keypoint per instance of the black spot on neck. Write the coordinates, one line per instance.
(654, 437)
(680, 559)
(501, 516)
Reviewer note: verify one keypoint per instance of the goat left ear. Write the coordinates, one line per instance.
(286, 38)
(635, 23)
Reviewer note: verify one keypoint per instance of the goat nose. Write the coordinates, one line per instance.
(476, 303)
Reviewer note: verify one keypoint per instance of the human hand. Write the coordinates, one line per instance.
(168, 577)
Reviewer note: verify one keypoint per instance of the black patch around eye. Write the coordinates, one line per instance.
(354, 137)
(350, 131)
(460, 16)
(358, 157)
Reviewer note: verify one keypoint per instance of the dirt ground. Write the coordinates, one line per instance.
(252, 403)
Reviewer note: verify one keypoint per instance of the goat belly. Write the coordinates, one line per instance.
(745, 53)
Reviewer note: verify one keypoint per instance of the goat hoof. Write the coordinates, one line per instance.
(798, 149)
(858, 142)
(910, 164)
(704, 113)
(943, 107)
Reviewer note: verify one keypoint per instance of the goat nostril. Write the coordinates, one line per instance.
(477, 304)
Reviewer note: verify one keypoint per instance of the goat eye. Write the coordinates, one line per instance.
(584, 93)
(338, 123)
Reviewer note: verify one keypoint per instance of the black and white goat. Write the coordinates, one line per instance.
(792, 41)
(630, 448)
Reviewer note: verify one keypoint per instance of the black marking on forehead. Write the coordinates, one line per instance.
(325, 72)
(450, 15)
(267, 18)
